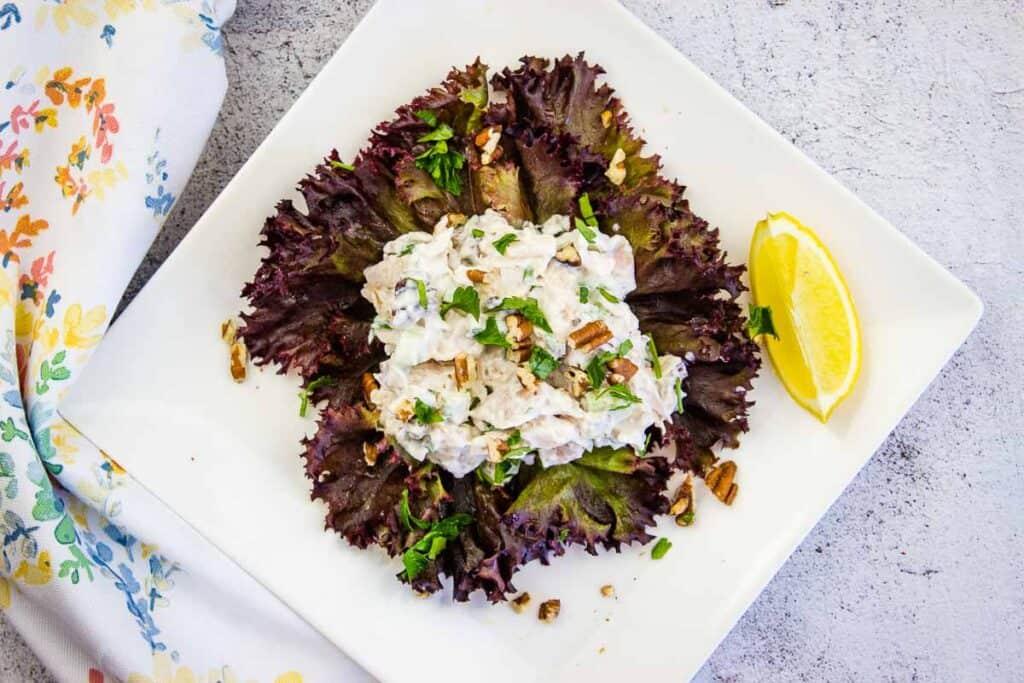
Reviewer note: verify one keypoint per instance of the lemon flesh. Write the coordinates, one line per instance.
(818, 353)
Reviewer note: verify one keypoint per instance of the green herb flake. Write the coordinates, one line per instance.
(609, 297)
(679, 394)
(465, 299)
(652, 352)
(491, 335)
(527, 273)
(584, 295)
(760, 322)
(528, 307)
(501, 244)
(433, 543)
(307, 393)
(563, 534)
(589, 234)
(342, 165)
(621, 393)
(661, 548)
(427, 414)
(542, 363)
(439, 134)
(444, 166)
(477, 233)
(408, 249)
(421, 292)
(587, 211)
(409, 520)
(428, 117)
(514, 439)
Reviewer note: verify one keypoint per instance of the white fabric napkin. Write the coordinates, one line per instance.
(104, 109)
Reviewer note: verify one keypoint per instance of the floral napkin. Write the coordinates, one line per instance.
(104, 109)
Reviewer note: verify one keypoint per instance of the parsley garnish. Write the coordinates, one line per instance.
(342, 165)
(427, 414)
(421, 292)
(441, 163)
(307, 392)
(428, 117)
(529, 308)
(514, 439)
(761, 322)
(660, 548)
(477, 233)
(408, 519)
(679, 394)
(584, 295)
(408, 249)
(501, 244)
(609, 297)
(542, 363)
(491, 335)
(527, 273)
(687, 518)
(464, 299)
(652, 351)
(433, 543)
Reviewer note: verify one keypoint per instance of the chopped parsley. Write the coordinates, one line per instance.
(542, 363)
(464, 299)
(687, 518)
(584, 295)
(527, 306)
(427, 414)
(609, 297)
(408, 249)
(514, 439)
(679, 394)
(477, 233)
(491, 335)
(587, 211)
(563, 534)
(652, 351)
(433, 543)
(761, 322)
(527, 273)
(501, 244)
(421, 293)
(409, 520)
(443, 164)
(342, 165)
(428, 117)
(661, 548)
(307, 392)
(620, 394)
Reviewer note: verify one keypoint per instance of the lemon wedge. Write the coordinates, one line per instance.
(817, 354)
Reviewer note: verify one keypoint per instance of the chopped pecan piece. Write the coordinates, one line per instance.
(527, 378)
(456, 220)
(370, 453)
(520, 602)
(682, 505)
(608, 591)
(487, 140)
(720, 480)
(228, 330)
(239, 360)
(606, 118)
(496, 450)
(476, 276)
(465, 370)
(590, 336)
(568, 255)
(405, 410)
(622, 369)
(519, 329)
(369, 386)
(549, 610)
(579, 382)
(616, 172)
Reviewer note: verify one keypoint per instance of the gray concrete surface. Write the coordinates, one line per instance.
(917, 572)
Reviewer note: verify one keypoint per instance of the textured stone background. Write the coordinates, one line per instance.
(917, 106)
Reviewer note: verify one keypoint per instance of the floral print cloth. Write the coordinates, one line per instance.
(104, 108)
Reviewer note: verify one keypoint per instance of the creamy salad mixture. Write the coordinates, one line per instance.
(510, 343)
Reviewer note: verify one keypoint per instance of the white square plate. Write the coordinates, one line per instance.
(157, 395)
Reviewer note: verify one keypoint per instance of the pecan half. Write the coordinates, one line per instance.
(590, 336)
(476, 276)
(720, 480)
(228, 330)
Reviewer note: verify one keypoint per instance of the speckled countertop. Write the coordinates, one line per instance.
(917, 572)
